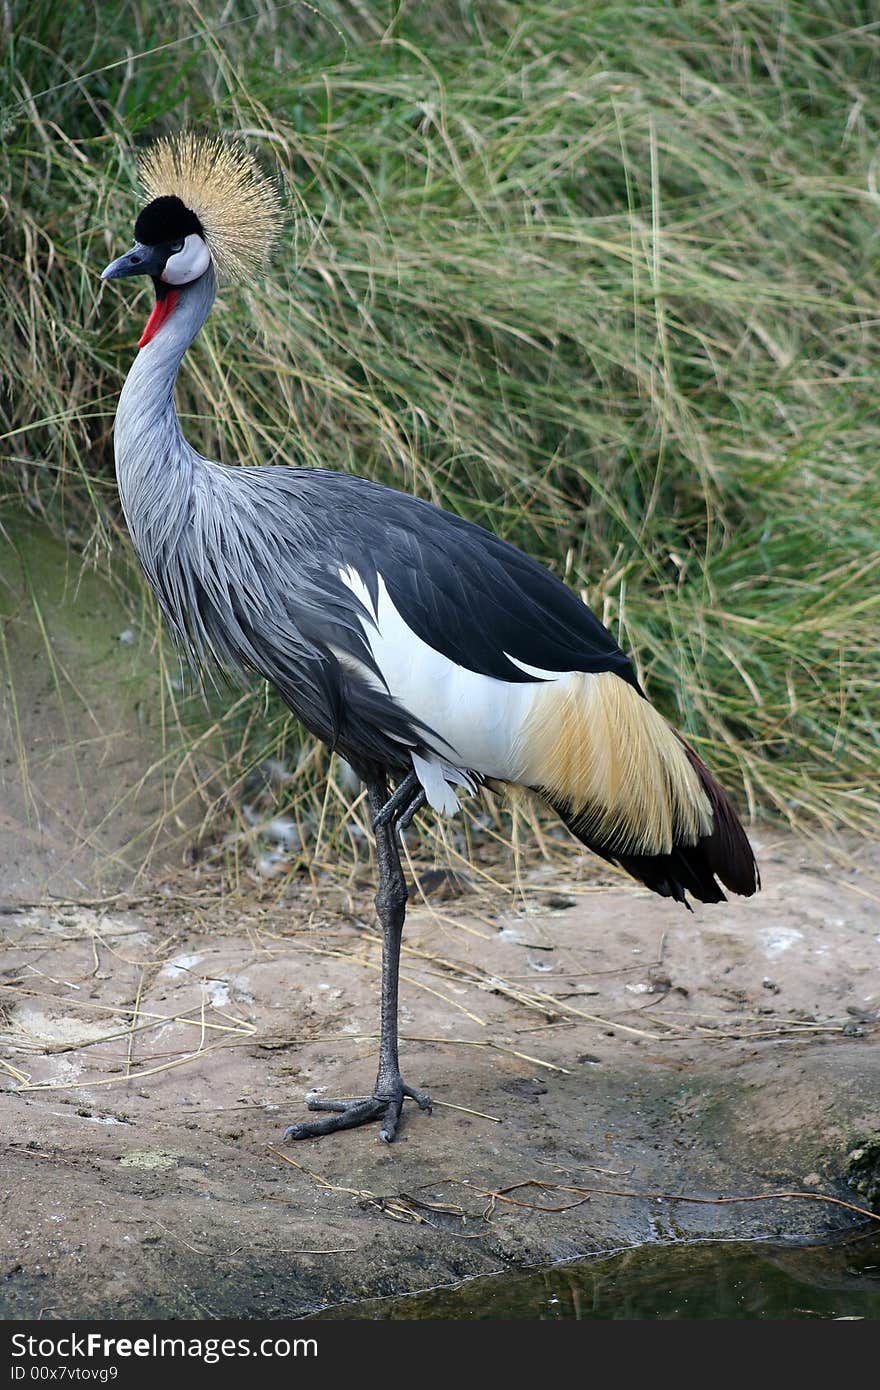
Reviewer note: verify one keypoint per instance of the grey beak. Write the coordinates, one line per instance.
(140, 260)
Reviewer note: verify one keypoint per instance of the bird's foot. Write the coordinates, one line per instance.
(402, 805)
(348, 1114)
(405, 819)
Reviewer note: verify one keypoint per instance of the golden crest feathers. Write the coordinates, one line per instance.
(238, 206)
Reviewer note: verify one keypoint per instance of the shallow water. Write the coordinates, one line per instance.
(717, 1280)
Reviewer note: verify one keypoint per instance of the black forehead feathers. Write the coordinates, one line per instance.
(166, 219)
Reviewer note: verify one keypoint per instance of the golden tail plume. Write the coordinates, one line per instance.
(630, 788)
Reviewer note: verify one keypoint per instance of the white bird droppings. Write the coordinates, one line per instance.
(180, 965)
(777, 940)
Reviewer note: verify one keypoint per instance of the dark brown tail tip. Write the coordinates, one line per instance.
(727, 850)
(725, 855)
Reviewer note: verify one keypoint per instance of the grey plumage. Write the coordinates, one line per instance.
(242, 565)
(245, 562)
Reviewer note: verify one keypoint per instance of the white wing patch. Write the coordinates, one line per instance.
(590, 740)
(477, 718)
(536, 671)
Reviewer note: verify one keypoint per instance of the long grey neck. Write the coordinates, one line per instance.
(154, 463)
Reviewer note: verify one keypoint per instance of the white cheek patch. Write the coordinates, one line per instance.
(187, 264)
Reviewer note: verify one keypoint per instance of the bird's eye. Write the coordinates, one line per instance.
(175, 247)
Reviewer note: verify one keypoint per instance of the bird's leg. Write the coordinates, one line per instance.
(401, 805)
(391, 907)
(390, 1090)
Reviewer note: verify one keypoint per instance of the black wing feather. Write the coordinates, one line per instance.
(462, 590)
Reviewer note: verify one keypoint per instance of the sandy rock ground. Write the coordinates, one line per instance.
(585, 1043)
(585, 1046)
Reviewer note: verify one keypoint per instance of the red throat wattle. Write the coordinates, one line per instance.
(161, 311)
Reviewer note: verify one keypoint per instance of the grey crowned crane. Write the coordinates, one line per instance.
(421, 647)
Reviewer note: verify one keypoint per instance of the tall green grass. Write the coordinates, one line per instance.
(602, 277)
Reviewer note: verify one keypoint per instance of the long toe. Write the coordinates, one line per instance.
(316, 1102)
(391, 1119)
(398, 799)
(348, 1114)
(422, 1100)
(405, 819)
